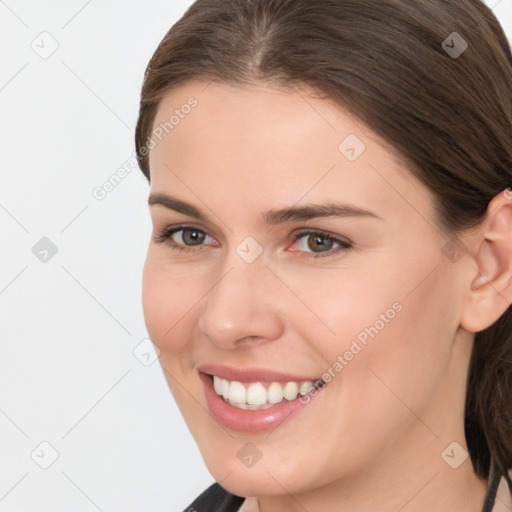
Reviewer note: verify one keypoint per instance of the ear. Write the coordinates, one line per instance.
(489, 292)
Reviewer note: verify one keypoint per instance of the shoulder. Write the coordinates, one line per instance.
(215, 499)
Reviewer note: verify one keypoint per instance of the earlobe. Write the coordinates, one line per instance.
(490, 292)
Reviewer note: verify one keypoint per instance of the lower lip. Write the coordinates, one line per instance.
(244, 420)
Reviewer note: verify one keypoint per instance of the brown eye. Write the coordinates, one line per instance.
(314, 244)
(320, 243)
(191, 236)
(184, 238)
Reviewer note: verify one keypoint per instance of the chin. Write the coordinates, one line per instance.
(250, 482)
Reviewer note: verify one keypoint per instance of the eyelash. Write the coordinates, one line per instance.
(165, 236)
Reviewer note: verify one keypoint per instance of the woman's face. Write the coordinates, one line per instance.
(289, 246)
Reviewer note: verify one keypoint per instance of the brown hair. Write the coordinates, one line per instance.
(387, 62)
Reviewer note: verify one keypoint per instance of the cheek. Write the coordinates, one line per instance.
(403, 366)
(168, 297)
(380, 334)
(335, 307)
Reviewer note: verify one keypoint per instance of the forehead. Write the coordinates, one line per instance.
(259, 115)
(283, 144)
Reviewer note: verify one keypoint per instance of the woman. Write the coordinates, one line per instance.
(330, 274)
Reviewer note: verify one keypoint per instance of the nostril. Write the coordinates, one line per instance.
(253, 340)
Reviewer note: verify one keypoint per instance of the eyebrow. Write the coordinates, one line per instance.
(175, 204)
(271, 217)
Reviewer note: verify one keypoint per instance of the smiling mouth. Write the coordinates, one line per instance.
(261, 395)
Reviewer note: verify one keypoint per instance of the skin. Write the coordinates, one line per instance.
(372, 439)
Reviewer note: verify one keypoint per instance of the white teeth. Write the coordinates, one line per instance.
(225, 388)
(306, 387)
(217, 384)
(291, 390)
(275, 393)
(240, 406)
(237, 393)
(258, 407)
(256, 396)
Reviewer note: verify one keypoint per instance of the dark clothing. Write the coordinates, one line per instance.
(215, 499)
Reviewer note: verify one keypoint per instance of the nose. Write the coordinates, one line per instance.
(242, 307)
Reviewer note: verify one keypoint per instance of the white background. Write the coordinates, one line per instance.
(69, 326)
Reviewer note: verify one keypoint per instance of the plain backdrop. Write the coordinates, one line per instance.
(87, 422)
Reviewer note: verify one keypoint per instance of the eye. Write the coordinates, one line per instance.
(310, 243)
(315, 243)
(183, 237)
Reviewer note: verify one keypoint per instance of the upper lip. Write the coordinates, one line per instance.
(252, 374)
